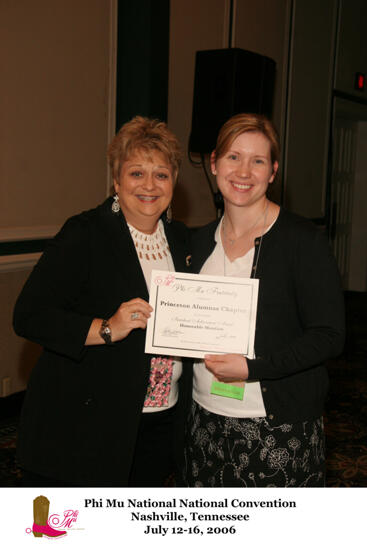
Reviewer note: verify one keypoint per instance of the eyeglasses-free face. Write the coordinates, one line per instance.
(244, 172)
(145, 189)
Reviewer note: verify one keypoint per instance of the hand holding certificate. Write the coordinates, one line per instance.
(194, 315)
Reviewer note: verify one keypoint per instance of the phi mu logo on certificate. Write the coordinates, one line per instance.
(166, 280)
(51, 526)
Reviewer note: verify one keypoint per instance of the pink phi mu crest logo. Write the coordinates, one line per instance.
(44, 525)
(164, 281)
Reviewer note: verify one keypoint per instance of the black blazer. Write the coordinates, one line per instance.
(83, 404)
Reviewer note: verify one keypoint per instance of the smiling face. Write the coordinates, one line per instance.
(245, 170)
(145, 189)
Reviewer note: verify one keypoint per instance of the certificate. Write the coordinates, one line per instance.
(195, 315)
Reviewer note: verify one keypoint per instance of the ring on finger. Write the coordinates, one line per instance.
(134, 315)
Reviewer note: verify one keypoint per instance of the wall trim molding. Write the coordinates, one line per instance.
(18, 262)
(29, 233)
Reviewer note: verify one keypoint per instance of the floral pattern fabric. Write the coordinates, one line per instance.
(160, 379)
(225, 451)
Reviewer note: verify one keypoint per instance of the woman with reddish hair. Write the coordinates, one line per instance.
(273, 436)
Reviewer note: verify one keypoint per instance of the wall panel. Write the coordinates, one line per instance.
(54, 110)
(309, 106)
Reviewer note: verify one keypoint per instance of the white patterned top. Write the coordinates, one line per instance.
(153, 253)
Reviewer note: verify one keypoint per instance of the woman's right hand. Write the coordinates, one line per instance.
(123, 321)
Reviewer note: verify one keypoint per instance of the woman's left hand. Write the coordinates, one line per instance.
(230, 367)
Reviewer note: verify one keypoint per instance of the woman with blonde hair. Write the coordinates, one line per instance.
(98, 410)
(273, 436)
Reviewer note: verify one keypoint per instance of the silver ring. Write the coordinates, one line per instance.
(135, 315)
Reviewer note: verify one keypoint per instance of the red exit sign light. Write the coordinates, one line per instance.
(359, 84)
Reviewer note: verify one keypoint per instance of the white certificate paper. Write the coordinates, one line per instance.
(194, 315)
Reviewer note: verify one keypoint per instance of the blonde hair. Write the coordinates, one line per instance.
(144, 135)
(247, 122)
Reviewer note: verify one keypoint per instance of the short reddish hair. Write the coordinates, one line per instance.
(247, 122)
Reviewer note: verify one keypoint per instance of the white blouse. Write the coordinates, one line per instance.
(252, 404)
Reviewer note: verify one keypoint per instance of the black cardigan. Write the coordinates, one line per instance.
(300, 316)
(83, 404)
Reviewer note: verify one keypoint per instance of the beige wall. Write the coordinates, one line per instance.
(55, 62)
(57, 109)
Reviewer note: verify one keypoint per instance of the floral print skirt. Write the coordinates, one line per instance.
(225, 451)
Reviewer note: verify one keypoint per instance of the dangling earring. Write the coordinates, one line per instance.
(169, 214)
(115, 205)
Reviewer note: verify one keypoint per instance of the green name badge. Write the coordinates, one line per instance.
(228, 390)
